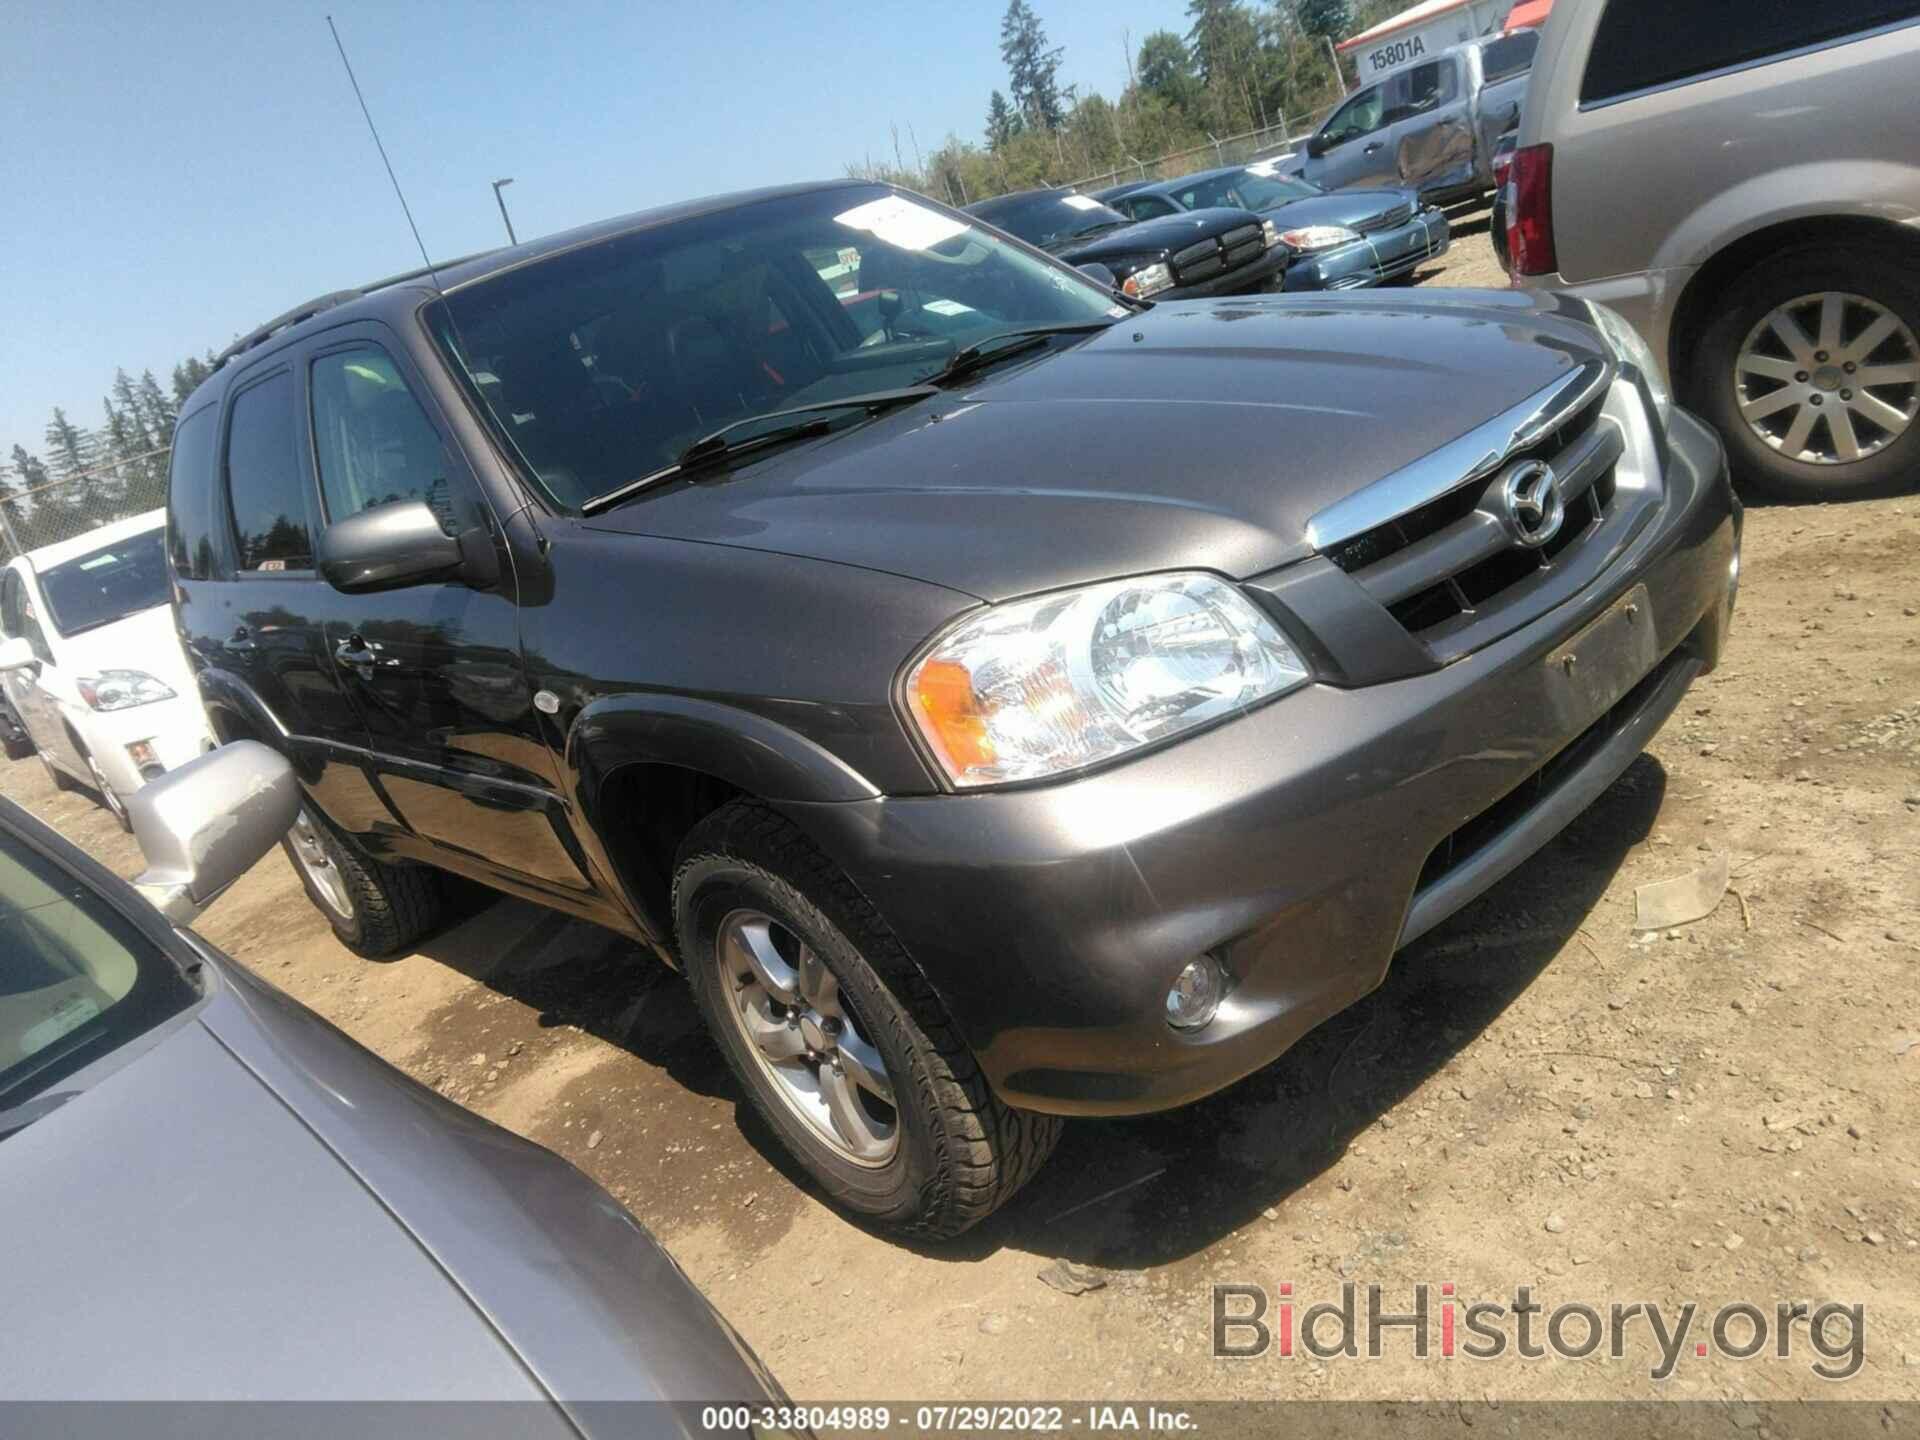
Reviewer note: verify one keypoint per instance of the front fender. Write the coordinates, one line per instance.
(746, 750)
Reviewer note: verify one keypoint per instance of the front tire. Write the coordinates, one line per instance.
(375, 909)
(842, 1046)
(1810, 369)
(115, 806)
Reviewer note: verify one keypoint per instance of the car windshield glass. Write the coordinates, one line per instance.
(602, 363)
(1245, 190)
(107, 584)
(1052, 220)
(77, 978)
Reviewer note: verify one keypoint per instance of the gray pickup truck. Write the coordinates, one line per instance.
(1432, 125)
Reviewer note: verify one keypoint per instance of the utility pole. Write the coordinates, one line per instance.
(501, 201)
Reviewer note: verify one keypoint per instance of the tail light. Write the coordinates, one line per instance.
(1530, 211)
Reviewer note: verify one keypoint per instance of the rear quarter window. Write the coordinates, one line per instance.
(190, 481)
(1644, 44)
(1509, 56)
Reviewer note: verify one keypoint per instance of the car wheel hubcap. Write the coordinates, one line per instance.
(1829, 379)
(316, 862)
(787, 1006)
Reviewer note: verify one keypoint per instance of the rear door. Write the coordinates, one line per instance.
(433, 671)
(1433, 125)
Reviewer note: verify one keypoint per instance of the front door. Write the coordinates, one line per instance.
(1358, 139)
(433, 670)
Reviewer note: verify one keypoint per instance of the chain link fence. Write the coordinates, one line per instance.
(69, 508)
(1243, 149)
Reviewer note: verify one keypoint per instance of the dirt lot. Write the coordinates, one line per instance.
(1534, 1097)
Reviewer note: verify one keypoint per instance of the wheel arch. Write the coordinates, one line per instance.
(646, 769)
(1699, 301)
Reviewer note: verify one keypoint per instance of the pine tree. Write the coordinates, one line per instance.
(19, 507)
(187, 377)
(1032, 68)
(1003, 122)
(1325, 19)
(157, 412)
(1166, 69)
(77, 496)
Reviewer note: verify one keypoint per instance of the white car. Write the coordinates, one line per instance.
(91, 663)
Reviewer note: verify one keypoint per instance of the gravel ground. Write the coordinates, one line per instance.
(1535, 1097)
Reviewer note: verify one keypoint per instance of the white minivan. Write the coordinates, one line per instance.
(91, 663)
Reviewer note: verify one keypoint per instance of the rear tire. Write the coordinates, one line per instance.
(1714, 375)
(375, 909)
(951, 1153)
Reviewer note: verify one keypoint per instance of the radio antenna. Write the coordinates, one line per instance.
(399, 194)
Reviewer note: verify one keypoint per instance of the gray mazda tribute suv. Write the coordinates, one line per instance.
(1003, 700)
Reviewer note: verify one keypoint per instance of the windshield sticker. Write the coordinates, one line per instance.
(69, 1015)
(1080, 202)
(947, 307)
(901, 223)
(99, 560)
(1118, 312)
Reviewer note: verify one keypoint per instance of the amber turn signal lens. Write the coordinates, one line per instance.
(951, 717)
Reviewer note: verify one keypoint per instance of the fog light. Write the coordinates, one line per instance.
(1196, 995)
(141, 753)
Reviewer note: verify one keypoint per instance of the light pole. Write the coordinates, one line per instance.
(501, 201)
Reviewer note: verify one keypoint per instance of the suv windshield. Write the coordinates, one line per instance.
(1053, 219)
(77, 978)
(601, 364)
(107, 584)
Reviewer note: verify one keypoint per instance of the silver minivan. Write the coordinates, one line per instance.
(1743, 183)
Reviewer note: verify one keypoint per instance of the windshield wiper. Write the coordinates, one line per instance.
(716, 446)
(985, 352)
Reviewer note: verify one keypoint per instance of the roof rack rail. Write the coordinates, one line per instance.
(311, 308)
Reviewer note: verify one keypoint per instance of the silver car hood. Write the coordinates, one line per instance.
(175, 1233)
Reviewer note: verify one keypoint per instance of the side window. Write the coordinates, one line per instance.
(1359, 116)
(11, 619)
(190, 482)
(1508, 56)
(18, 617)
(265, 482)
(1151, 207)
(1428, 87)
(1641, 44)
(373, 443)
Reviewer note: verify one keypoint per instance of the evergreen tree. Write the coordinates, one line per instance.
(1325, 19)
(1032, 68)
(1003, 122)
(188, 375)
(156, 410)
(1166, 69)
(19, 505)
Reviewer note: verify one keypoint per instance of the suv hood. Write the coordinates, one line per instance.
(1160, 236)
(1199, 434)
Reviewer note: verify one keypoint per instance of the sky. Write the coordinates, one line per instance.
(173, 175)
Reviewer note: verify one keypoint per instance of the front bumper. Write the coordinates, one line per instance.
(1291, 842)
(1264, 274)
(176, 730)
(1375, 258)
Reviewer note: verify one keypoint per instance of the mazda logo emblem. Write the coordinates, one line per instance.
(1531, 503)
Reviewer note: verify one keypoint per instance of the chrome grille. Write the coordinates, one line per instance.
(1448, 564)
(1386, 220)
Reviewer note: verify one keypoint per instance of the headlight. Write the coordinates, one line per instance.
(1042, 687)
(1629, 349)
(1272, 233)
(1149, 280)
(1319, 237)
(121, 689)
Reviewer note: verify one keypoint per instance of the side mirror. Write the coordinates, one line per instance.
(388, 546)
(1316, 146)
(204, 825)
(1099, 274)
(17, 654)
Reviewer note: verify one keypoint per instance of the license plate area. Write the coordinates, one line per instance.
(1589, 673)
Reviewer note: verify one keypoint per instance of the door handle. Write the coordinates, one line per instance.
(1371, 148)
(355, 652)
(242, 640)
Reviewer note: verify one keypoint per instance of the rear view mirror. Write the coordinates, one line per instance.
(17, 654)
(1316, 146)
(204, 825)
(1099, 274)
(388, 546)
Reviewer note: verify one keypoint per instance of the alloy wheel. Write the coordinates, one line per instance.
(786, 1004)
(1829, 379)
(316, 862)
